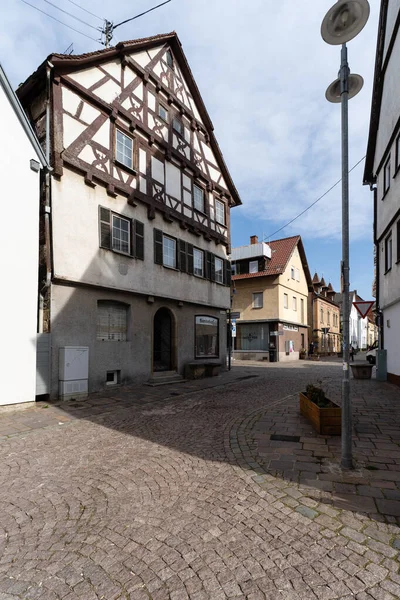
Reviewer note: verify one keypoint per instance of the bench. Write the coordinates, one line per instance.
(205, 368)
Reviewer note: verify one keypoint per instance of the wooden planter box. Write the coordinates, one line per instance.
(326, 421)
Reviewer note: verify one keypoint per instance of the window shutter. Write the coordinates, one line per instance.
(139, 240)
(208, 265)
(105, 227)
(190, 259)
(158, 247)
(182, 256)
(228, 273)
(212, 270)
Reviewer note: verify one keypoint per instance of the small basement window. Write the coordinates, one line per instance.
(113, 377)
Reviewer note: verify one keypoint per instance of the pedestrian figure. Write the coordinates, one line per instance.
(311, 349)
(352, 353)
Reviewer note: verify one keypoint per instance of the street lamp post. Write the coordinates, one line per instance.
(341, 24)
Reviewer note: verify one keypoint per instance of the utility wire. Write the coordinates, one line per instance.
(313, 204)
(58, 21)
(141, 14)
(87, 11)
(70, 14)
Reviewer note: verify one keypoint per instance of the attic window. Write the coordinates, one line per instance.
(169, 59)
(253, 266)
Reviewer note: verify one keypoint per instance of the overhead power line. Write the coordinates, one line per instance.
(70, 14)
(58, 21)
(84, 9)
(313, 204)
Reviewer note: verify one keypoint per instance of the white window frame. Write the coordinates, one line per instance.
(124, 149)
(219, 269)
(292, 272)
(297, 274)
(258, 300)
(198, 262)
(388, 252)
(169, 252)
(253, 266)
(195, 199)
(220, 212)
(117, 240)
(294, 303)
(285, 300)
(114, 315)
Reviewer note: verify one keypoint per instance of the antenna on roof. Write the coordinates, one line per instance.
(107, 31)
(69, 50)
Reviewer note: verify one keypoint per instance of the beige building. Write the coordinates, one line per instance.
(270, 290)
(324, 318)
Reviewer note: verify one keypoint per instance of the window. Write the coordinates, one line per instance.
(233, 268)
(163, 113)
(169, 252)
(257, 300)
(322, 315)
(206, 336)
(220, 212)
(397, 152)
(177, 125)
(198, 262)
(219, 269)
(116, 233)
(294, 303)
(169, 58)
(112, 321)
(386, 176)
(285, 301)
(198, 194)
(297, 275)
(388, 252)
(292, 272)
(124, 149)
(398, 240)
(253, 266)
(329, 318)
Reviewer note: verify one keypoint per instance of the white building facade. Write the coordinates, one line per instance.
(20, 170)
(140, 210)
(382, 174)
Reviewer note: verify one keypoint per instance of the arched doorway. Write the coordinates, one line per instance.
(163, 336)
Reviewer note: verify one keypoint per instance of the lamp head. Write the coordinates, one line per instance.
(344, 21)
(355, 83)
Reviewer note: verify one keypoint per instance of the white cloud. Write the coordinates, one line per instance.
(262, 68)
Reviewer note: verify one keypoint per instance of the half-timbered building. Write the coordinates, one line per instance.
(140, 211)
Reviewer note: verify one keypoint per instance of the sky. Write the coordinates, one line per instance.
(262, 69)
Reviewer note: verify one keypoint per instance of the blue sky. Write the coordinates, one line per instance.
(262, 69)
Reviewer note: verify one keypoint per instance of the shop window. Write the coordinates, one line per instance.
(206, 336)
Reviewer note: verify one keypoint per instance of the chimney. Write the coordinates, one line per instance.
(253, 239)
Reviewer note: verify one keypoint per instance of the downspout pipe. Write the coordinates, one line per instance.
(374, 189)
(47, 200)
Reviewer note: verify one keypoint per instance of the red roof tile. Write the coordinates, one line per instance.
(281, 251)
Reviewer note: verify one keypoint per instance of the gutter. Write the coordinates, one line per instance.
(379, 314)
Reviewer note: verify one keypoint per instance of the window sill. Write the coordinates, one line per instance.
(131, 170)
(200, 211)
(385, 193)
(387, 271)
(257, 307)
(120, 253)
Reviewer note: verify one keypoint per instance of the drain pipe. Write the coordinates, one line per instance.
(47, 203)
(374, 190)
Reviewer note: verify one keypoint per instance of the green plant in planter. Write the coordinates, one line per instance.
(317, 395)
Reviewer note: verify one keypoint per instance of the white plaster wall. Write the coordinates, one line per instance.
(391, 336)
(78, 257)
(389, 283)
(393, 9)
(19, 244)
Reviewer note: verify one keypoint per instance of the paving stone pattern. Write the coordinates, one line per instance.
(179, 492)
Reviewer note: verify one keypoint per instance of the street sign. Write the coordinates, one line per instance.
(233, 329)
(363, 307)
(276, 333)
(235, 315)
(325, 330)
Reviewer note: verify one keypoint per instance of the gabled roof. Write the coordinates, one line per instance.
(22, 117)
(281, 252)
(68, 63)
(376, 97)
(322, 283)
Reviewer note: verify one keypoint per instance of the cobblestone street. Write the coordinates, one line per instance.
(180, 492)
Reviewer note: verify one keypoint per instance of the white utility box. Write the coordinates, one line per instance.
(73, 372)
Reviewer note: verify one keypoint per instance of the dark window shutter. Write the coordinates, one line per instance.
(212, 270)
(105, 227)
(228, 273)
(158, 247)
(139, 240)
(182, 256)
(208, 265)
(190, 259)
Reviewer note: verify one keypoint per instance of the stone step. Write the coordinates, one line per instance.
(165, 378)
